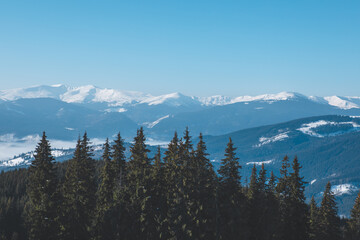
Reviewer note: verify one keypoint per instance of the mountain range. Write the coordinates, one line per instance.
(65, 112)
(323, 132)
(328, 148)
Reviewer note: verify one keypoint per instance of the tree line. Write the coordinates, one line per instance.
(176, 196)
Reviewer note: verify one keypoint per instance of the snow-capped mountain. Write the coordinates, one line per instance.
(120, 98)
(65, 112)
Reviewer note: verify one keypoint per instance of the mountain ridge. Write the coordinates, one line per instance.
(120, 98)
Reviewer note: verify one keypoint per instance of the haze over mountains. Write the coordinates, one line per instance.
(67, 111)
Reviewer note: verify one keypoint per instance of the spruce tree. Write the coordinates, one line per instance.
(105, 197)
(159, 198)
(229, 196)
(119, 213)
(314, 220)
(283, 190)
(202, 209)
(254, 206)
(354, 221)
(119, 162)
(42, 193)
(329, 221)
(79, 193)
(272, 214)
(139, 190)
(176, 208)
(298, 207)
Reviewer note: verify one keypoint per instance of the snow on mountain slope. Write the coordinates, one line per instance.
(173, 99)
(119, 98)
(309, 128)
(152, 124)
(265, 97)
(54, 91)
(260, 163)
(276, 138)
(342, 189)
(340, 102)
(217, 100)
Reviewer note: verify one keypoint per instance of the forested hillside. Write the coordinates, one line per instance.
(175, 195)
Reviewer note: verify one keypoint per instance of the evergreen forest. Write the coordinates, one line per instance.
(175, 195)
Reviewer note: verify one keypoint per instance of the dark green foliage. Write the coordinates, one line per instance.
(329, 221)
(105, 197)
(79, 193)
(230, 199)
(180, 198)
(139, 190)
(159, 199)
(293, 210)
(314, 221)
(283, 190)
(202, 207)
(12, 202)
(119, 162)
(118, 214)
(41, 209)
(175, 190)
(298, 208)
(354, 222)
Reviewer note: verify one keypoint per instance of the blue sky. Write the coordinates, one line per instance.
(194, 47)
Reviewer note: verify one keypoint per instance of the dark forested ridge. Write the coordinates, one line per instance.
(175, 195)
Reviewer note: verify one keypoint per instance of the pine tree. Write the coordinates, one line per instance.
(202, 208)
(42, 193)
(272, 214)
(159, 198)
(105, 197)
(119, 162)
(329, 221)
(119, 214)
(298, 208)
(79, 193)
(230, 198)
(176, 208)
(314, 220)
(283, 190)
(254, 206)
(138, 190)
(354, 221)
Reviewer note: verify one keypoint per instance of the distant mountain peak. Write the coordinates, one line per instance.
(120, 98)
(340, 102)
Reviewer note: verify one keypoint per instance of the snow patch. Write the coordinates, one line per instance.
(344, 189)
(340, 103)
(260, 163)
(12, 163)
(122, 110)
(267, 140)
(217, 100)
(57, 153)
(152, 124)
(77, 94)
(118, 98)
(265, 97)
(153, 142)
(308, 128)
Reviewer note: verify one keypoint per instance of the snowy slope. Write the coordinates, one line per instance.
(118, 98)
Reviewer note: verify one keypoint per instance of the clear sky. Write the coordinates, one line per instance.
(194, 47)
